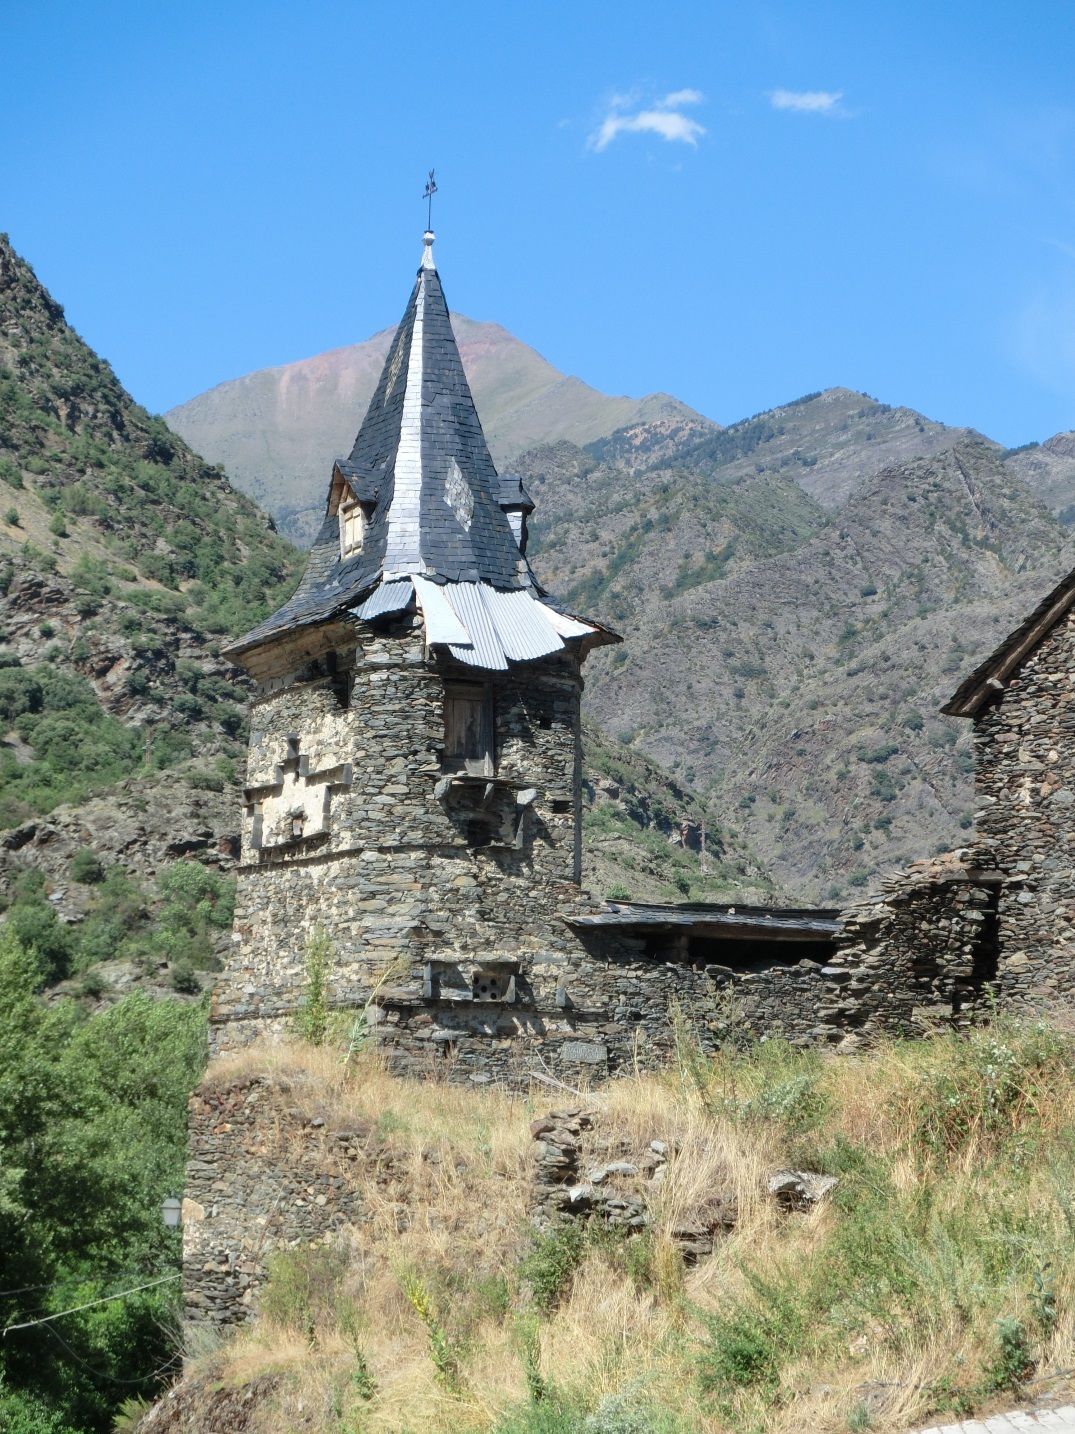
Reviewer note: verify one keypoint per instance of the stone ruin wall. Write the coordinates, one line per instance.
(921, 951)
(994, 923)
(263, 1175)
(1025, 762)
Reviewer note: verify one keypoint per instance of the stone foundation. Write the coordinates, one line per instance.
(263, 1175)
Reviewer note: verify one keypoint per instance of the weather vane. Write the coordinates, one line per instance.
(427, 194)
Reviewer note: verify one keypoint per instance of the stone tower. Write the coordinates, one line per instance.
(413, 786)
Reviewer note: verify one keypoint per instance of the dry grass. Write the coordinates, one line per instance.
(955, 1160)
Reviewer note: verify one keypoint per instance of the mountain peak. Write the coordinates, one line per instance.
(277, 430)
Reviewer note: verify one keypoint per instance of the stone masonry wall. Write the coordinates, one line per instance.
(922, 950)
(392, 872)
(1025, 759)
(263, 1175)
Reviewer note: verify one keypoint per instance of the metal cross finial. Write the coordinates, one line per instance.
(427, 194)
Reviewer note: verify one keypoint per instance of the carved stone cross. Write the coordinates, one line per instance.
(294, 808)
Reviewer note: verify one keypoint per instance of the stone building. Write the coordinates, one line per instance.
(994, 921)
(414, 792)
(1022, 703)
(414, 782)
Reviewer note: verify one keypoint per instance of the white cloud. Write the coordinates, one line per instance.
(809, 102)
(663, 117)
(681, 97)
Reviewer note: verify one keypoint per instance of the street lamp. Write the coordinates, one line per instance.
(172, 1211)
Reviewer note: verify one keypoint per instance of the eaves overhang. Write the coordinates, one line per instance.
(990, 678)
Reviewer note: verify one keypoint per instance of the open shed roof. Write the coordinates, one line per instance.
(770, 923)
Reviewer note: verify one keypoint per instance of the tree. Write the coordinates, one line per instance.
(92, 1139)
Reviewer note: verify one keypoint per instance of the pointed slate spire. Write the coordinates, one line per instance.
(438, 511)
(422, 474)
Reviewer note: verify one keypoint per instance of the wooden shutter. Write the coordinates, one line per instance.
(468, 729)
(352, 528)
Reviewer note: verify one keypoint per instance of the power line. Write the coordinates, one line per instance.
(106, 1299)
(73, 1280)
(103, 1373)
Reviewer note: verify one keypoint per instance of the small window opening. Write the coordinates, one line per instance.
(493, 984)
(490, 986)
(352, 527)
(468, 729)
(517, 520)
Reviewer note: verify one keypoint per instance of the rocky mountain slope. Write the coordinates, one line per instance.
(799, 592)
(124, 562)
(1049, 468)
(124, 559)
(788, 659)
(277, 431)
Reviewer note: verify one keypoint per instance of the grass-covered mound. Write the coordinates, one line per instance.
(937, 1277)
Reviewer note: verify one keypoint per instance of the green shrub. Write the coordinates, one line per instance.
(22, 1413)
(744, 1349)
(1013, 1363)
(93, 985)
(985, 1081)
(551, 1262)
(35, 925)
(312, 1019)
(304, 1287)
(9, 473)
(92, 1138)
(183, 977)
(87, 867)
(205, 781)
(77, 747)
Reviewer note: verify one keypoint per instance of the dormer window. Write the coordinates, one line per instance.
(517, 505)
(352, 527)
(353, 499)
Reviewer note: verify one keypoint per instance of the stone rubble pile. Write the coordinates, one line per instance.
(618, 1193)
(799, 1189)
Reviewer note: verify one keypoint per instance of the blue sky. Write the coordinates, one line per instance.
(736, 203)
